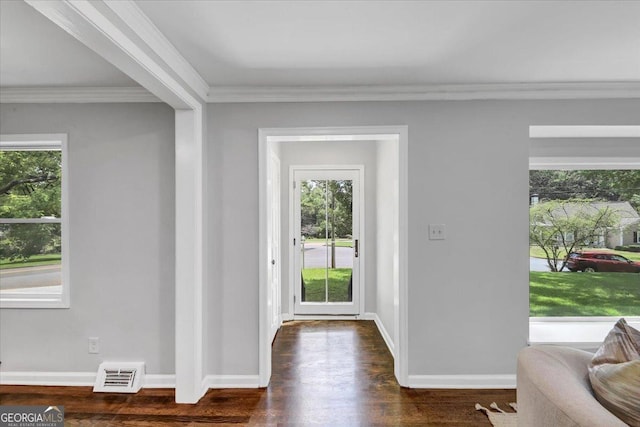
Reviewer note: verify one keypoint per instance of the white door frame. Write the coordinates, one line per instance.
(268, 138)
(293, 264)
(273, 235)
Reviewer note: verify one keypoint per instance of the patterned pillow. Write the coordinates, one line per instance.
(614, 372)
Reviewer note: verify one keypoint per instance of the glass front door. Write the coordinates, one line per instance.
(327, 241)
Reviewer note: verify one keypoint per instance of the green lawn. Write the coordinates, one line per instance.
(314, 279)
(584, 294)
(536, 252)
(33, 261)
(340, 243)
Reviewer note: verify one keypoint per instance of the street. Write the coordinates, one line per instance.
(540, 264)
(317, 255)
(47, 276)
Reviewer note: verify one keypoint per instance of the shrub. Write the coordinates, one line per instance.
(628, 248)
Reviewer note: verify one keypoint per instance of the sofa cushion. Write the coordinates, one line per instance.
(614, 372)
(554, 389)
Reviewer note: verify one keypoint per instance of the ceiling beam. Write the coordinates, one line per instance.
(136, 19)
(121, 34)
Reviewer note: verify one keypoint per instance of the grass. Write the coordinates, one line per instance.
(33, 261)
(314, 280)
(536, 252)
(584, 294)
(340, 243)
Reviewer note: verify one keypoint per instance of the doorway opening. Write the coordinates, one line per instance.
(387, 304)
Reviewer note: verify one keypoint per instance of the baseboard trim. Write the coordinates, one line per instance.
(462, 381)
(76, 379)
(325, 317)
(48, 378)
(383, 331)
(232, 381)
(287, 317)
(159, 381)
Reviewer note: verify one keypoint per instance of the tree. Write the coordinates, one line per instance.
(321, 200)
(327, 210)
(313, 208)
(29, 188)
(611, 185)
(561, 227)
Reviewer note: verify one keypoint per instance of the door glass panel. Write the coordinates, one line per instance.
(327, 240)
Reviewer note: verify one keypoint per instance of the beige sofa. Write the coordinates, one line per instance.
(554, 389)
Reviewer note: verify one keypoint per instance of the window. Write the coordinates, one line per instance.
(34, 258)
(589, 212)
(582, 150)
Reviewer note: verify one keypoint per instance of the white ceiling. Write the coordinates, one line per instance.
(394, 42)
(340, 43)
(36, 52)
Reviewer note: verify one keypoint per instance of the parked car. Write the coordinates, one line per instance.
(589, 261)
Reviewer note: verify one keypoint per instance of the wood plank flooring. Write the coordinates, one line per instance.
(331, 373)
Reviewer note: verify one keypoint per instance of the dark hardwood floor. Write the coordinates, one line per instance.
(332, 373)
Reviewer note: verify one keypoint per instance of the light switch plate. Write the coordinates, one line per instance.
(436, 231)
(94, 345)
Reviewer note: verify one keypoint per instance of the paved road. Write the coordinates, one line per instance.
(30, 277)
(540, 264)
(317, 255)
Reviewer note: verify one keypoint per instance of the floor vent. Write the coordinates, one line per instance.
(119, 377)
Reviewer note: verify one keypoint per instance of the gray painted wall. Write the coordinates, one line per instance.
(121, 186)
(468, 169)
(333, 153)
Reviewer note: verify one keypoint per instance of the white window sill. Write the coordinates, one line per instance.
(578, 332)
(38, 297)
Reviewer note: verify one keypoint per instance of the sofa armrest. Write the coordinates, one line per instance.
(554, 389)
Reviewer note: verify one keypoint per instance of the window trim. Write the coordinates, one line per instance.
(42, 142)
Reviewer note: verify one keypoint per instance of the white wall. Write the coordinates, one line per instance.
(468, 169)
(387, 272)
(121, 187)
(332, 153)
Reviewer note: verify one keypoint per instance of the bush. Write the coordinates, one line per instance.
(628, 248)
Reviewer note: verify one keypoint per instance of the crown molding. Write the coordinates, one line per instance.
(72, 95)
(513, 91)
(451, 92)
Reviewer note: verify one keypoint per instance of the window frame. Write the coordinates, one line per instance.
(42, 142)
(579, 332)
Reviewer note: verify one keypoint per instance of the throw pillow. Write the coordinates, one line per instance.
(614, 372)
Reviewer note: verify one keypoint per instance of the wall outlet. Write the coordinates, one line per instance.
(436, 232)
(94, 345)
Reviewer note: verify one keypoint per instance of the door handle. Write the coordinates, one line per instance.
(357, 248)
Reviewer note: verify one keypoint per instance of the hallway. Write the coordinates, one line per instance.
(340, 373)
(330, 373)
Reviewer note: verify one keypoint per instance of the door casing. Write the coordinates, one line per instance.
(269, 140)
